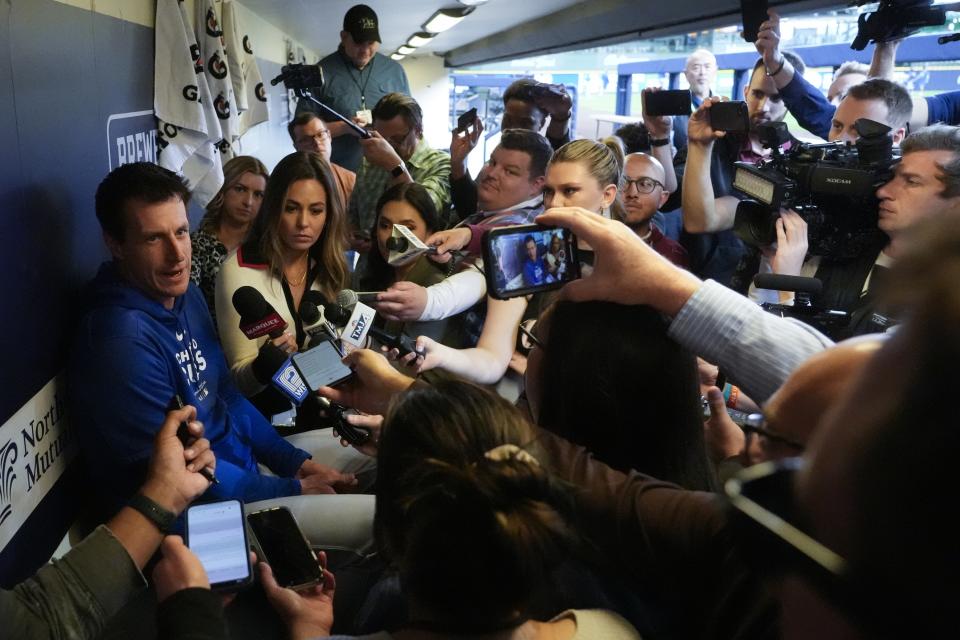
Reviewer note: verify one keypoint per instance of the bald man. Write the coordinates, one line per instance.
(643, 194)
(793, 412)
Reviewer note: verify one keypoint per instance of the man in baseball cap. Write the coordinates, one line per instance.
(355, 78)
(362, 24)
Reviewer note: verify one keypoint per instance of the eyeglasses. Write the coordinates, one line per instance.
(642, 185)
(320, 136)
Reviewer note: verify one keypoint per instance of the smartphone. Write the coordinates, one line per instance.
(730, 116)
(283, 546)
(667, 103)
(753, 13)
(217, 534)
(322, 366)
(466, 119)
(529, 258)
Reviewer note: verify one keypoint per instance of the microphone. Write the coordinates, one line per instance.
(358, 326)
(276, 366)
(405, 247)
(314, 317)
(348, 298)
(257, 316)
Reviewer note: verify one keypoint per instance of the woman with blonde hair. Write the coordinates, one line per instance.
(227, 223)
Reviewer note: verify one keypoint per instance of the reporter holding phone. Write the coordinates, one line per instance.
(582, 174)
(105, 567)
(408, 204)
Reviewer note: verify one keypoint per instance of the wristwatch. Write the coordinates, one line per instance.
(153, 512)
(398, 170)
(659, 142)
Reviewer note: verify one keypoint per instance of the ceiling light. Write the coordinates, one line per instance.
(420, 39)
(477, 3)
(405, 50)
(445, 18)
(397, 56)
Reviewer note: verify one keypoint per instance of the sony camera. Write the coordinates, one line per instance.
(832, 186)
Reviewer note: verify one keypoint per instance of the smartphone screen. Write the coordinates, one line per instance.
(321, 366)
(528, 258)
(285, 548)
(217, 534)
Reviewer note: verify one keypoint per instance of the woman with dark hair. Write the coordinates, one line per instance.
(298, 245)
(227, 223)
(633, 401)
(472, 522)
(410, 205)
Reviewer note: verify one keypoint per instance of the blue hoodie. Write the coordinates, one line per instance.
(129, 358)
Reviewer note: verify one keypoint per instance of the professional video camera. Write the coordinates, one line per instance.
(895, 19)
(832, 186)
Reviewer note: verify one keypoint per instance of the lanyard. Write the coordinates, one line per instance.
(363, 89)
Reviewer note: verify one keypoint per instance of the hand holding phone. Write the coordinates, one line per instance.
(753, 13)
(526, 259)
(466, 120)
(284, 547)
(733, 117)
(216, 533)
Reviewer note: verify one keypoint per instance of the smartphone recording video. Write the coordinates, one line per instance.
(733, 117)
(527, 259)
(284, 547)
(216, 533)
(674, 102)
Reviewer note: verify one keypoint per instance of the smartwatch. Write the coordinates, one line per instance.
(160, 517)
(659, 142)
(398, 170)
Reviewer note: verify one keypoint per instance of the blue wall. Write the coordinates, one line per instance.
(63, 72)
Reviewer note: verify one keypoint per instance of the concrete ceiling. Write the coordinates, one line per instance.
(317, 23)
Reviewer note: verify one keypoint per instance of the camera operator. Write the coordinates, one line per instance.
(879, 100)
(814, 112)
(711, 169)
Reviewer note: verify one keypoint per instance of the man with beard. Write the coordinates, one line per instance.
(643, 193)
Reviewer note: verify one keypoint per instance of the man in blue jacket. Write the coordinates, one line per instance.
(146, 337)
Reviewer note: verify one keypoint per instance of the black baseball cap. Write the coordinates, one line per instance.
(362, 24)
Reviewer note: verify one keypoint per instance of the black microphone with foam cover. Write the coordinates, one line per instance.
(257, 316)
(778, 282)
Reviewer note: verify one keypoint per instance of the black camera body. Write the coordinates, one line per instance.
(832, 186)
(896, 19)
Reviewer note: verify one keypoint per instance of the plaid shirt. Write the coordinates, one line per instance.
(430, 168)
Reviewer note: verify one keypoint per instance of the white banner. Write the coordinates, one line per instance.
(36, 446)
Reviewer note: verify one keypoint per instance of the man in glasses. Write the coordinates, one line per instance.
(309, 133)
(643, 194)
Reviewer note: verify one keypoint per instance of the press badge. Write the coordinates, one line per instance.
(365, 116)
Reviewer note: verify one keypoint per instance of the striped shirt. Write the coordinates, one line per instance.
(757, 349)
